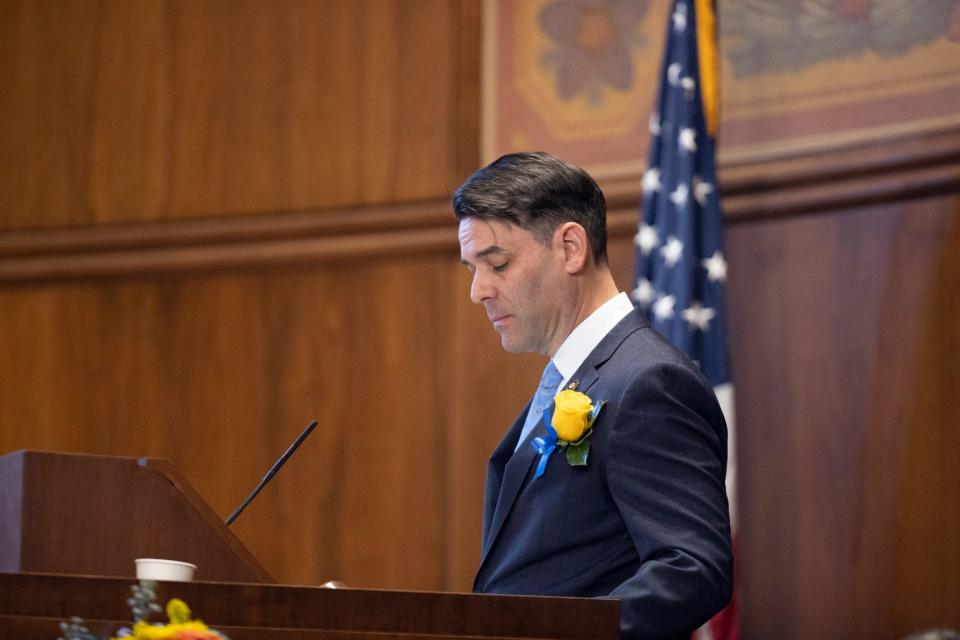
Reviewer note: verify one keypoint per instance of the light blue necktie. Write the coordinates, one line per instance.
(549, 382)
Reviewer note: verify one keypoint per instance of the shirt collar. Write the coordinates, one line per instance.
(587, 335)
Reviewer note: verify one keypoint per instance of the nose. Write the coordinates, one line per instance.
(480, 288)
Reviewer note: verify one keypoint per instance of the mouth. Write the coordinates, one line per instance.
(499, 321)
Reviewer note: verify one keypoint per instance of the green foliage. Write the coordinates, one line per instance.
(577, 453)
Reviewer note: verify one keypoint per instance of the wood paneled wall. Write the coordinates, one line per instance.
(120, 111)
(222, 220)
(846, 270)
(848, 376)
(204, 248)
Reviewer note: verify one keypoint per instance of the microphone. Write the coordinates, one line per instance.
(272, 472)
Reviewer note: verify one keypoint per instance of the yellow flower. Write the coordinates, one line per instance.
(571, 414)
(177, 611)
(179, 631)
(145, 631)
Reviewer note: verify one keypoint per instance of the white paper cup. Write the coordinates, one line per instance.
(169, 570)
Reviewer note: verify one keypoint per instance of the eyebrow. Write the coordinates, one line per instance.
(492, 250)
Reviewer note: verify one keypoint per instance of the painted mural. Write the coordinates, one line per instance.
(578, 77)
(816, 73)
(573, 77)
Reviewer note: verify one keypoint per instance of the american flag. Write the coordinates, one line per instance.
(681, 269)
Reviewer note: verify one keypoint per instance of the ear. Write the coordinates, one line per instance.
(572, 242)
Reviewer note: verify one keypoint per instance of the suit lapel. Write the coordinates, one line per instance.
(589, 371)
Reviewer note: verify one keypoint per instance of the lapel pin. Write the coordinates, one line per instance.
(573, 384)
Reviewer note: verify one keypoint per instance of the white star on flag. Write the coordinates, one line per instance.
(673, 73)
(701, 190)
(716, 267)
(654, 123)
(680, 18)
(698, 316)
(651, 180)
(644, 292)
(672, 251)
(680, 195)
(646, 238)
(663, 308)
(688, 139)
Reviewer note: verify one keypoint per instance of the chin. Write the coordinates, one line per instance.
(515, 346)
(511, 348)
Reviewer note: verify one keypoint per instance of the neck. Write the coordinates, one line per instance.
(594, 290)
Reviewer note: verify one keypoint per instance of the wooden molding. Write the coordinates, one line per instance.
(225, 243)
(887, 171)
(883, 171)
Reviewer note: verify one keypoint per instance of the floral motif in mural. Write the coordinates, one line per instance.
(591, 43)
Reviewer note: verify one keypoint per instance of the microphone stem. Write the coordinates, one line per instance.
(272, 472)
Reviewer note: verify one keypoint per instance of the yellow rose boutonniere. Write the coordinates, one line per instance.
(571, 415)
(569, 425)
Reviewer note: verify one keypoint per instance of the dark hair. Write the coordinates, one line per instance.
(537, 192)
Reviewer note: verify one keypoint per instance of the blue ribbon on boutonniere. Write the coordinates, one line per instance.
(545, 446)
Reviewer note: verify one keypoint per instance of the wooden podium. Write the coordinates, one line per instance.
(68, 541)
(94, 515)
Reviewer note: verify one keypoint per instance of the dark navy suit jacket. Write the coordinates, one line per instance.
(646, 521)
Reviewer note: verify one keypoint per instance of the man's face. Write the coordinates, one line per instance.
(518, 280)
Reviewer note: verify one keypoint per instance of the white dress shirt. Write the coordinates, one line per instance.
(587, 335)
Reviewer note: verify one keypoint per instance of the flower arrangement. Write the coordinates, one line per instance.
(143, 603)
(569, 427)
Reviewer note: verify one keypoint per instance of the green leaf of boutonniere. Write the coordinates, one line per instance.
(577, 453)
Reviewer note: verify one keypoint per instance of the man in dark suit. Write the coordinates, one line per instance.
(646, 519)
